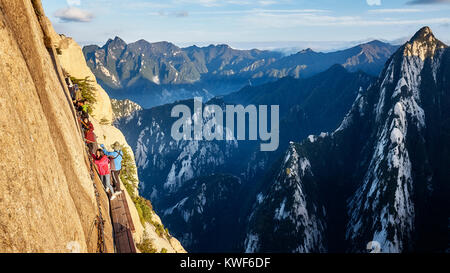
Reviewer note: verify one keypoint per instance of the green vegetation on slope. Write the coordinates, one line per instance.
(87, 91)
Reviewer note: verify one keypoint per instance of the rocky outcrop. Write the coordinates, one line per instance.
(47, 198)
(124, 108)
(424, 44)
(381, 177)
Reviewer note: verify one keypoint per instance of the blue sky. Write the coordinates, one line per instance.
(248, 23)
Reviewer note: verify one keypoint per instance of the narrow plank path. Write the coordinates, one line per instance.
(121, 220)
(122, 225)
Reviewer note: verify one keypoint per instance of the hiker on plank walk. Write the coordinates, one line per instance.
(82, 109)
(89, 135)
(102, 162)
(116, 158)
(77, 95)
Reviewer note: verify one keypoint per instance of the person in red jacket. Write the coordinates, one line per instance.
(89, 135)
(102, 162)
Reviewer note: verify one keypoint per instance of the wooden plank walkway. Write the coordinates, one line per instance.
(128, 214)
(122, 224)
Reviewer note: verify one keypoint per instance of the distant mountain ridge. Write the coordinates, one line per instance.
(157, 73)
(369, 57)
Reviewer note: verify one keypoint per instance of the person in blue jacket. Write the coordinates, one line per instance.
(116, 158)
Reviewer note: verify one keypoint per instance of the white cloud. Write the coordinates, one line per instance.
(179, 14)
(217, 3)
(256, 12)
(146, 5)
(73, 14)
(374, 2)
(426, 2)
(395, 10)
(281, 20)
(74, 2)
(206, 3)
(267, 2)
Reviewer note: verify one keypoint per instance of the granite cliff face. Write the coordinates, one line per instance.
(46, 195)
(47, 198)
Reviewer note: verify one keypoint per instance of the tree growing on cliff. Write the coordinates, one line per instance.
(87, 91)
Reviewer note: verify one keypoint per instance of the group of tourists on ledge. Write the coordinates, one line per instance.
(109, 164)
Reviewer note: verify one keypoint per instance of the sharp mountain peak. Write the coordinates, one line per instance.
(423, 44)
(117, 41)
(423, 33)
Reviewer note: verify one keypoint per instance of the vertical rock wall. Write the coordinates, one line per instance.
(47, 199)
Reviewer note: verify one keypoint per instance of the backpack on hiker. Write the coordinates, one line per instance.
(112, 158)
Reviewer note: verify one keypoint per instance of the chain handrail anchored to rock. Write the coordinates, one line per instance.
(122, 226)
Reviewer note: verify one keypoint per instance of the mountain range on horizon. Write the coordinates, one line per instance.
(153, 74)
